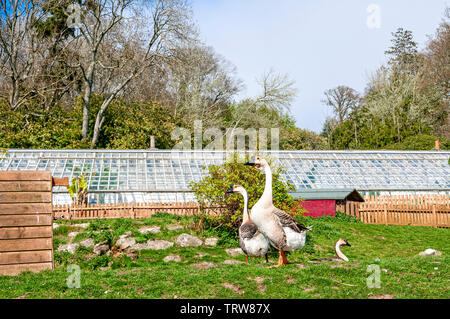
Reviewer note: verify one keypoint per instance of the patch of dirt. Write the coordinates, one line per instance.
(382, 297)
(23, 296)
(309, 289)
(289, 279)
(336, 287)
(236, 289)
(301, 266)
(259, 283)
(204, 265)
(337, 266)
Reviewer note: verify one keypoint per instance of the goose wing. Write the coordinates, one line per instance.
(247, 230)
(287, 220)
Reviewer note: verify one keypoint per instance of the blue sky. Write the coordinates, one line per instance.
(320, 44)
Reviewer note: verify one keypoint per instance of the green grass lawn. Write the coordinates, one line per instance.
(403, 274)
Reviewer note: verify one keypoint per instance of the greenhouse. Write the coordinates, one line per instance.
(133, 176)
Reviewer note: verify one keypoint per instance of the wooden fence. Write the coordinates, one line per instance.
(135, 210)
(26, 232)
(416, 210)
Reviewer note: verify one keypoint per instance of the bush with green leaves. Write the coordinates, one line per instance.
(227, 209)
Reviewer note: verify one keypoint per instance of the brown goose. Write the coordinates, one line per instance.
(283, 232)
(253, 243)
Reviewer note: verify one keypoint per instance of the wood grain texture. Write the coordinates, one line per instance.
(25, 220)
(28, 209)
(25, 257)
(25, 232)
(25, 244)
(63, 181)
(25, 176)
(25, 197)
(13, 270)
(25, 186)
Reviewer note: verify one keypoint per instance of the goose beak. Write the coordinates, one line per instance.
(230, 190)
(251, 162)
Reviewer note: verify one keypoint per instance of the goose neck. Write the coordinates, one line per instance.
(337, 249)
(266, 197)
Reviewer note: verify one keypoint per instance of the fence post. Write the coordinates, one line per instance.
(435, 223)
(385, 214)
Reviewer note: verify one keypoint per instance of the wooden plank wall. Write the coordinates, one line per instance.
(26, 222)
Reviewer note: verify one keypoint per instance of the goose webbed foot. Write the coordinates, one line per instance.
(282, 260)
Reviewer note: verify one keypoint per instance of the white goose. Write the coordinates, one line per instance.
(337, 248)
(252, 242)
(283, 232)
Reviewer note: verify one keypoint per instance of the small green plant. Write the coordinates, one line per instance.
(78, 190)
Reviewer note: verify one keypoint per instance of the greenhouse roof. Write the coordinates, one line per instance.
(164, 175)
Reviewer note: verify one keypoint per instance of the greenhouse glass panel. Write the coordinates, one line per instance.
(161, 175)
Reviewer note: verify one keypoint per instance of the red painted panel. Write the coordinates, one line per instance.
(318, 208)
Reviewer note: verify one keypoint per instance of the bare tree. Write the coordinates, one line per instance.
(278, 92)
(18, 45)
(201, 83)
(118, 40)
(342, 100)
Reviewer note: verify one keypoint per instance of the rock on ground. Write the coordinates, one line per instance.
(174, 227)
(186, 240)
(101, 249)
(83, 225)
(430, 252)
(124, 243)
(211, 241)
(55, 225)
(174, 258)
(73, 234)
(153, 244)
(204, 265)
(232, 262)
(69, 248)
(87, 242)
(153, 230)
(233, 252)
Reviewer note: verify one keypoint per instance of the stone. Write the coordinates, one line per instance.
(174, 258)
(232, 262)
(101, 248)
(233, 252)
(124, 243)
(153, 244)
(69, 248)
(174, 227)
(73, 234)
(186, 240)
(212, 241)
(204, 265)
(84, 225)
(87, 242)
(430, 252)
(55, 225)
(153, 230)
